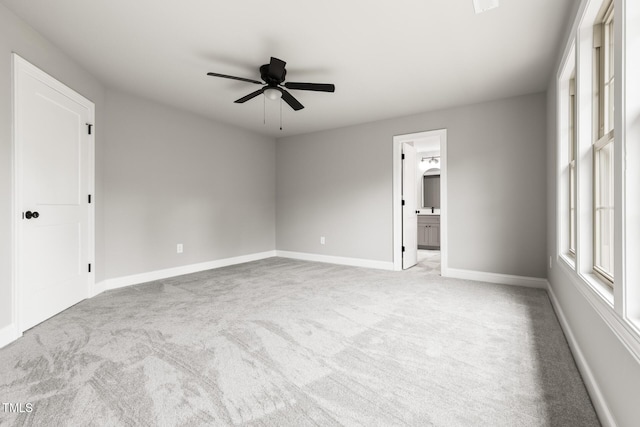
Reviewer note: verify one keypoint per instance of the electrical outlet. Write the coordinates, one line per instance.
(322, 240)
(180, 248)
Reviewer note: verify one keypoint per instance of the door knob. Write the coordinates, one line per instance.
(30, 215)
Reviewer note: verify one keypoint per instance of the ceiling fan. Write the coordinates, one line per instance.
(273, 75)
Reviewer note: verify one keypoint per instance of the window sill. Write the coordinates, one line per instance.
(590, 280)
(569, 260)
(599, 286)
(634, 325)
(600, 296)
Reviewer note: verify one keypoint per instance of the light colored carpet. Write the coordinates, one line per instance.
(280, 342)
(429, 261)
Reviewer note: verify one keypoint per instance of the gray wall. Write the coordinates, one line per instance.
(163, 176)
(338, 184)
(612, 365)
(16, 36)
(335, 184)
(172, 177)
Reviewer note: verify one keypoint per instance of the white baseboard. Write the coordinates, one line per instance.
(9, 334)
(354, 262)
(136, 279)
(597, 397)
(502, 279)
(97, 288)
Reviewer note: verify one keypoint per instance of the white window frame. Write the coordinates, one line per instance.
(618, 307)
(600, 271)
(572, 143)
(604, 76)
(627, 91)
(566, 134)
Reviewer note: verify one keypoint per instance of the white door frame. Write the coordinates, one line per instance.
(20, 67)
(397, 196)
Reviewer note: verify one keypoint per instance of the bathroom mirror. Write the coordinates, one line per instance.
(431, 189)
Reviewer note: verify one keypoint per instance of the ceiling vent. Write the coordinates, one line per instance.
(484, 5)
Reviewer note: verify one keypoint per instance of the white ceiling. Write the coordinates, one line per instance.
(387, 59)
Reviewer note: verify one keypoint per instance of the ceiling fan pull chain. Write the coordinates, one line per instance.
(280, 113)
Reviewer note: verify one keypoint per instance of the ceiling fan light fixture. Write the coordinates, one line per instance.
(272, 94)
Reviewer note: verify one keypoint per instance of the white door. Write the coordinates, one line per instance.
(409, 216)
(54, 176)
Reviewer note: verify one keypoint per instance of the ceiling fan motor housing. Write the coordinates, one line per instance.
(270, 79)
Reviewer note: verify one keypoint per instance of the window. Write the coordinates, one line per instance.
(572, 139)
(593, 150)
(603, 148)
(568, 155)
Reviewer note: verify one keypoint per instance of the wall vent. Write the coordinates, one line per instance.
(484, 5)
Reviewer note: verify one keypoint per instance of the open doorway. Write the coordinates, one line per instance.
(429, 198)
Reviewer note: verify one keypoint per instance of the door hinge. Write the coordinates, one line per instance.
(89, 268)
(89, 198)
(89, 126)
(403, 203)
(402, 156)
(403, 249)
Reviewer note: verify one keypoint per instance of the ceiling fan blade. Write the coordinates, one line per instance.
(242, 79)
(250, 96)
(318, 87)
(289, 99)
(276, 68)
